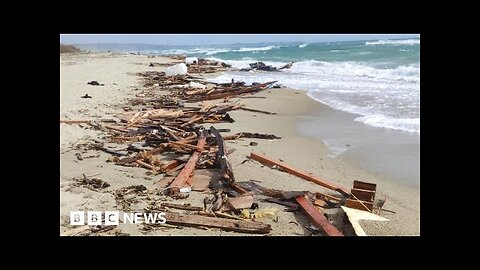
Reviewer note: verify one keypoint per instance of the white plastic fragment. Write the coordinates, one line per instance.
(190, 60)
(179, 69)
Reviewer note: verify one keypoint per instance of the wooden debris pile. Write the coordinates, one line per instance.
(165, 135)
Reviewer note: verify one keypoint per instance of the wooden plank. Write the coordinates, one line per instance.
(364, 195)
(146, 165)
(198, 182)
(182, 206)
(221, 159)
(352, 203)
(243, 226)
(327, 196)
(186, 145)
(288, 204)
(116, 128)
(303, 175)
(183, 176)
(170, 165)
(75, 121)
(237, 203)
(364, 185)
(195, 119)
(255, 110)
(317, 217)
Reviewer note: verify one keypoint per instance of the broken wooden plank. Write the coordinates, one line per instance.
(303, 175)
(243, 226)
(116, 128)
(221, 159)
(198, 182)
(170, 165)
(317, 217)
(364, 185)
(146, 165)
(75, 121)
(258, 111)
(193, 120)
(363, 194)
(182, 206)
(290, 205)
(327, 196)
(237, 203)
(360, 205)
(186, 145)
(183, 176)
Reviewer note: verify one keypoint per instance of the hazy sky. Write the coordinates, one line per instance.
(197, 39)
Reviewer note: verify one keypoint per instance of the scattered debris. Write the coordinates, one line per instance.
(317, 217)
(94, 184)
(244, 226)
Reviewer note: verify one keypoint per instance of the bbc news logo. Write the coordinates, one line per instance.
(114, 217)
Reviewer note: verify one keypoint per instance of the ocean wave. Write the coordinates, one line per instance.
(266, 48)
(303, 45)
(354, 87)
(394, 42)
(404, 124)
(405, 73)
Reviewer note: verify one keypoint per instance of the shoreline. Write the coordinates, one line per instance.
(297, 149)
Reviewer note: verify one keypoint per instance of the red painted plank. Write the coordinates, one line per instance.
(318, 217)
(183, 176)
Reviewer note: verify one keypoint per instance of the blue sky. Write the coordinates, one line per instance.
(186, 39)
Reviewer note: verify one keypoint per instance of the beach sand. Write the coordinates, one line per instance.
(298, 149)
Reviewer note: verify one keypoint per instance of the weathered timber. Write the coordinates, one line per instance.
(243, 226)
(317, 217)
(255, 110)
(182, 206)
(221, 159)
(303, 175)
(183, 176)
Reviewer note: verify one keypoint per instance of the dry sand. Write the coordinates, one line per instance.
(310, 154)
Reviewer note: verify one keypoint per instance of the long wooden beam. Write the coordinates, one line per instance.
(296, 172)
(318, 217)
(244, 226)
(183, 176)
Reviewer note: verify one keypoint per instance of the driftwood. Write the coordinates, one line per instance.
(317, 217)
(183, 176)
(303, 175)
(255, 110)
(243, 226)
(221, 159)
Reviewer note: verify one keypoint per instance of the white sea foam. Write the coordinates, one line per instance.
(380, 96)
(405, 124)
(266, 48)
(394, 42)
(303, 45)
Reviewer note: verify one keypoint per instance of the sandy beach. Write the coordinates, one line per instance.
(294, 111)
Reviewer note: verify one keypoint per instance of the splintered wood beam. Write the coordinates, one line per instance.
(243, 226)
(296, 172)
(221, 159)
(195, 119)
(76, 121)
(258, 111)
(317, 217)
(183, 176)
